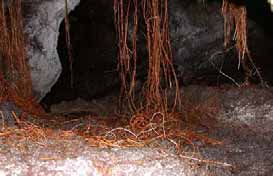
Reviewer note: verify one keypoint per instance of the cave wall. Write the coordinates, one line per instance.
(42, 19)
(196, 30)
(197, 37)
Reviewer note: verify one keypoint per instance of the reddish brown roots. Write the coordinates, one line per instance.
(15, 79)
(12, 46)
(160, 66)
(235, 21)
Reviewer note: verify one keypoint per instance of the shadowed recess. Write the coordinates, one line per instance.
(94, 51)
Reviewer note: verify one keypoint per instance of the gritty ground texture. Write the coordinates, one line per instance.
(243, 125)
(66, 158)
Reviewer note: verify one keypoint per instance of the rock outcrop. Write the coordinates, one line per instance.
(42, 19)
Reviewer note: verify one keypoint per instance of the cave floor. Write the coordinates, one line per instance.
(235, 139)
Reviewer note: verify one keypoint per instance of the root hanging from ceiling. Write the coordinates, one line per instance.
(161, 74)
(15, 78)
(235, 22)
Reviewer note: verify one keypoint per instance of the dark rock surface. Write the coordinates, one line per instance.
(197, 39)
(6, 113)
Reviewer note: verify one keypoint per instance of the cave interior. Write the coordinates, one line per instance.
(94, 54)
(223, 126)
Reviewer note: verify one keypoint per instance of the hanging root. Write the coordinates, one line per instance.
(161, 74)
(160, 68)
(68, 44)
(15, 78)
(235, 20)
(13, 48)
(126, 58)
